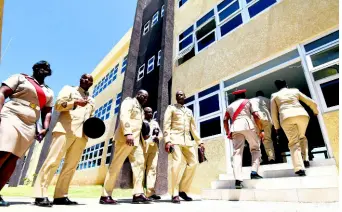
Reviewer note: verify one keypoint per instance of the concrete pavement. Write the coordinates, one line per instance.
(164, 205)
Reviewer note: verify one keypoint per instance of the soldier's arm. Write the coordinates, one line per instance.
(308, 101)
(194, 132)
(167, 124)
(125, 114)
(64, 101)
(274, 113)
(225, 122)
(160, 134)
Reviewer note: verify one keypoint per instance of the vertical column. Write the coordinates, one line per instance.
(164, 90)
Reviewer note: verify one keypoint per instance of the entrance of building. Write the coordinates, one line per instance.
(295, 78)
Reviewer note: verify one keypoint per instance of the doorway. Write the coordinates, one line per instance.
(295, 78)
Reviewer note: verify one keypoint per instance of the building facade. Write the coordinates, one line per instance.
(224, 45)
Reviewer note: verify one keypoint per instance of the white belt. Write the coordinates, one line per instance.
(26, 103)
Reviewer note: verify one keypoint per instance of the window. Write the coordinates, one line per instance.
(109, 151)
(150, 65)
(146, 28)
(181, 2)
(103, 112)
(106, 81)
(210, 127)
(117, 103)
(155, 18)
(162, 11)
(91, 157)
(323, 63)
(209, 105)
(223, 19)
(141, 72)
(159, 58)
(124, 64)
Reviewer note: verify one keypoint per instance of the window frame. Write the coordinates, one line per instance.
(159, 58)
(124, 64)
(162, 11)
(150, 66)
(141, 72)
(179, 6)
(146, 27)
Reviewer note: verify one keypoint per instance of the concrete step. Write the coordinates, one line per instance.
(281, 183)
(321, 195)
(317, 168)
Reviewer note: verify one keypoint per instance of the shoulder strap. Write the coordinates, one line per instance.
(238, 111)
(40, 93)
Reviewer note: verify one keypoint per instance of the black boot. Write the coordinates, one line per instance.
(255, 176)
(107, 201)
(141, 199)
(154, 197)
(300, 173)
(3, 203)
(184, 196)
(306, 164)
(238, 184)
(43, 202)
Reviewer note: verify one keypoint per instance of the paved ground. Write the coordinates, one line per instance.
(25, 205)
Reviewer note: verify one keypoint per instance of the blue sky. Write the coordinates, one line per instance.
(72, 35)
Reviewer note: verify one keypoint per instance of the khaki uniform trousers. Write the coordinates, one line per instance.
(151, 161)
(183, 182)
(135, 155)
(238, 145)
(62, 144)
(295, 128)
(268, 143)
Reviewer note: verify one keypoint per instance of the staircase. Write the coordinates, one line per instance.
(280, 184)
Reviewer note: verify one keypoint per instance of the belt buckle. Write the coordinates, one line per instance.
(32, 105)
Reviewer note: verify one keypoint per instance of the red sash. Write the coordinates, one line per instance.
(237, 112)
(40, 93)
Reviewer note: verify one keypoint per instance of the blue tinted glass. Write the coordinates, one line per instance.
(230, 25)
(189, 99)
(206, 41)
(97, 146)
(191, 107)
(260, 6)
(108, 108)
(117, 110)
(94, 163)
(98, 162)
(186, 32)
(248, 1)
(320, 42)
(210, 127)
(181, 2)
(185, 43)
(208, 91)
(107, 115)
(229, 10)
(123, 69)
(102, 144)
(205, 18)
(209, 105)
(223, 4)
(92, 148)
(110, 101)
(89, 164)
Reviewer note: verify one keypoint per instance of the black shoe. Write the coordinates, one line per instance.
(306, 164)
(255, 176)
(175, 200)
(238, 184)
(63, 201)
(154, 197)
(107, 201)
(300, 173)
(141, 199)
(3, 203)
(271, 162)
(184, 196)
(43, 202)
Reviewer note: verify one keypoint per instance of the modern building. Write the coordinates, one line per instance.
(223, 45)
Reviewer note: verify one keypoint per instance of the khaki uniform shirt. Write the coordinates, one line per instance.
(262, 105)
(150, 145)
(178, 123)
(285, 103)
(71, 119)
(130, 120)
(244, 120)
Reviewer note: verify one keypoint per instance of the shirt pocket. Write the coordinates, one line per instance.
(136, 113)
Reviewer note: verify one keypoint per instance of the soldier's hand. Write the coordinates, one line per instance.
(129, 140)
(80, 102)
(262, 135)
(167, 147)
(40, 136)
(202, 147)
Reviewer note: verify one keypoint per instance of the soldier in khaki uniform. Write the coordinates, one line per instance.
(128, 144)
(294, 120)
(178, 123)
(18, 116)
(241, 129)
(261, 108)
(75, 107)
(151, 154)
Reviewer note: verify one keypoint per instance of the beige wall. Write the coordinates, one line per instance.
(283, 26)
(208, 171)
(331, 121)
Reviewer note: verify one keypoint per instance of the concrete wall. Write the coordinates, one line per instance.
(331, 121)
